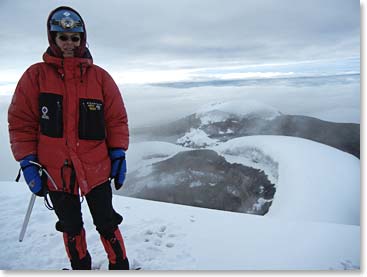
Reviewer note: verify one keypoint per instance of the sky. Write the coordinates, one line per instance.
(146, 41)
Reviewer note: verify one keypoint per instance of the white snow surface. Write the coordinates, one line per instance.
(142, 154)
(162, 236)
(315, 182)
(196, 137)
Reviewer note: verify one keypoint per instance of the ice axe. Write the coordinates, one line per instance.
(26, 218)
(32, 200)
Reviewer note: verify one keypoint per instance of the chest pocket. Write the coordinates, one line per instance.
(50, 108)
(91, 119)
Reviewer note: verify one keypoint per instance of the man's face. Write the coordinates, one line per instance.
(67, 42)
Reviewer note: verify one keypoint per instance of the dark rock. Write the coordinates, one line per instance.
(202, 178)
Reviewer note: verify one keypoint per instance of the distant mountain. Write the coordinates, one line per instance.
(220, 126)
(208, 159)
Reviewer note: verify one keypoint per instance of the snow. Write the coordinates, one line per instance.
(146, 153)
(313, 223)
(197, 138)
(162, 236)
(316, 182)
(260, 202)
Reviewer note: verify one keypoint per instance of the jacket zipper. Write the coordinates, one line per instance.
(58, 115)
(83, 121)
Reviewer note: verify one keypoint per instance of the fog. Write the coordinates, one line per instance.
(148, 105)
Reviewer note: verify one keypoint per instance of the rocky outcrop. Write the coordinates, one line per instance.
(202, 178)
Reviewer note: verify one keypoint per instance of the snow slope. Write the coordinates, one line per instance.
(315, 182)
(161, 236)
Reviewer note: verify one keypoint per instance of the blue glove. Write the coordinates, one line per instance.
(118, 166)
(31, 174)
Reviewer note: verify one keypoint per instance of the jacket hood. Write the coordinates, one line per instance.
(50, 58)
(55, 50)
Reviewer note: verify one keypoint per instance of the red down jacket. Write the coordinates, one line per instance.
(68, 112)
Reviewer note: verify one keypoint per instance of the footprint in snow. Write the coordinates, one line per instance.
(149, 232)
(157, 237)
(162, 228)
(170, 245)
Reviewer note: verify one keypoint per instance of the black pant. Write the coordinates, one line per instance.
(68, 210)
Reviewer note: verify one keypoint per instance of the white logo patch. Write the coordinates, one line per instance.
(44, 111)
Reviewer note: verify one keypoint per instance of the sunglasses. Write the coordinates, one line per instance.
(66, 38)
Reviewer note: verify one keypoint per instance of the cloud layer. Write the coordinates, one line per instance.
(126, 35)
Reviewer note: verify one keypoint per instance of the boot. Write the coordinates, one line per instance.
(82, 264)
(121, 265)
